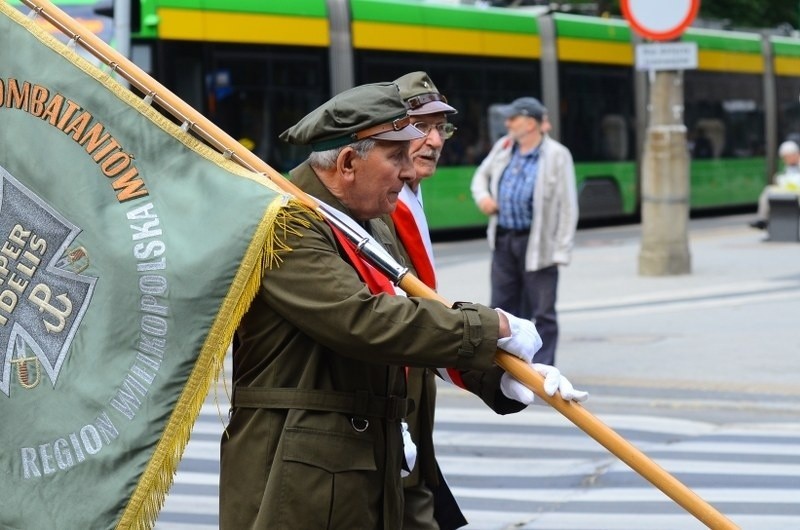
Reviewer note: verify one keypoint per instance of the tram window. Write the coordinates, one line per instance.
(597, 112)
(471, 85)
(725, 111)
(255, 93)
(180, 68)
(788, 92)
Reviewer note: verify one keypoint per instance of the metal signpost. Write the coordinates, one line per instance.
(665, 168)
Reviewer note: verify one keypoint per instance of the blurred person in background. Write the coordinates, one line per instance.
(787, 181)
(526, 185)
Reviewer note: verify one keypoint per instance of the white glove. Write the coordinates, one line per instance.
(524, 340)
(409, 450)
(513, 389)
(553, 380)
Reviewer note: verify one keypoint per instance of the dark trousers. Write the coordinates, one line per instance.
(526, 294)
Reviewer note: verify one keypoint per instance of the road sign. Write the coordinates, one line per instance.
(664, 20)
(666, 56)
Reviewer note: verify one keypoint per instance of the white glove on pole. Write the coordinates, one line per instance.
(513, 389)
(524, 340)
(553, 380)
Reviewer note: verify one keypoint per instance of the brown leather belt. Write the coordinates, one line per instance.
(360, 403)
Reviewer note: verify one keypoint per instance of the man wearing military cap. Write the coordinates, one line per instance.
(428, 110)
(429, 504)
(315, 437)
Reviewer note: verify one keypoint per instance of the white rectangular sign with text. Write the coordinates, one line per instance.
(666, 56)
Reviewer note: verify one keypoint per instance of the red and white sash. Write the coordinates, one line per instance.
(412, 230)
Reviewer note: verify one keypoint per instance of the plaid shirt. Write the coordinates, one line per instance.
(515, 195)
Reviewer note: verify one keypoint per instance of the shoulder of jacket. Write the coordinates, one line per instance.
(550, 143)
(554, 146)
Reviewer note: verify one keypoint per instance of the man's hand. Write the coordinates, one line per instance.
(553, 380)
(513, 389)
(488, 206)
(524, 340)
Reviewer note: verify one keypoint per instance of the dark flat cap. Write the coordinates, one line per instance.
(421, 95)
(525, 107)
(366, 111)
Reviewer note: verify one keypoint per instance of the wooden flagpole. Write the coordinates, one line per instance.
(205, 129)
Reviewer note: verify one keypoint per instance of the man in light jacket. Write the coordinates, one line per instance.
(526, 185)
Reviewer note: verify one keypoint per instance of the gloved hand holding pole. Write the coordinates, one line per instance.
(524, 341)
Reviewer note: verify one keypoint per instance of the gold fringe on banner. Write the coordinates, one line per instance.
(264, 252)
(142, 509)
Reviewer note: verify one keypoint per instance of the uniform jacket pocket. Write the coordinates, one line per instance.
(331, 478)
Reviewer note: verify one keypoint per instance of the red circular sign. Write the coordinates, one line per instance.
(663, 20)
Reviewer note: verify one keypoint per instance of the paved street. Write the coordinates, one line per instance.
(698, 371)
(728, 327)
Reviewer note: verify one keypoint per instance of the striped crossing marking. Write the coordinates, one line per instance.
(534, 470)
(564, 480)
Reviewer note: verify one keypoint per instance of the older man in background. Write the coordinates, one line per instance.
(429, 504)
(787, 181)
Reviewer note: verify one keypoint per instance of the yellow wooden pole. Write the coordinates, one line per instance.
(603, 434)
(618, 446)
(204, 128)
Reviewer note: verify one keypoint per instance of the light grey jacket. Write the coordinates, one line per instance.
(555, 201)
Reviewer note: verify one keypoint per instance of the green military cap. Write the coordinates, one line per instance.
(421, 95)
(366, 111)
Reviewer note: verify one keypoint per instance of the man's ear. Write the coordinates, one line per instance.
(345, 163)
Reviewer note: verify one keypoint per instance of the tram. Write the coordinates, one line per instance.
(256, 66)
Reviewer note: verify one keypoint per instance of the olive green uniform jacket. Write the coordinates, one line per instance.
(314, 438)
(422, 390)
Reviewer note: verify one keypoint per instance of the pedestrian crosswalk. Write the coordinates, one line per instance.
(534, 470)
(565, 480)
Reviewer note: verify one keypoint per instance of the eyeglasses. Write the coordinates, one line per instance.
(446, 130)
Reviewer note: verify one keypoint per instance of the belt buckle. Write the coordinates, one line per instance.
(359, 424)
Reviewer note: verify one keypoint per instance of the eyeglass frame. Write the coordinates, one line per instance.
(446, 130)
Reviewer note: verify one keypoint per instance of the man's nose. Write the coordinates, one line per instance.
(434, 138)
(407, 171)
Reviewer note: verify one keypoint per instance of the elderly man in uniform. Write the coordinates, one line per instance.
(429, 504)
(315, 438)
(428, 110)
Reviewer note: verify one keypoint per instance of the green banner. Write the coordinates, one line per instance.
(128, 253)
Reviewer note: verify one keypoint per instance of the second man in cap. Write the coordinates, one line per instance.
(429, 504)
